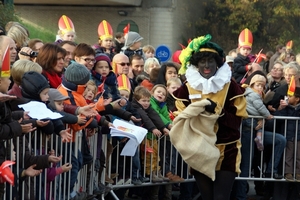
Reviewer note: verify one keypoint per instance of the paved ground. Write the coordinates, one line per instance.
(251, 194)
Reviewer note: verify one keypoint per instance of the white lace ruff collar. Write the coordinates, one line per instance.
(211, 85)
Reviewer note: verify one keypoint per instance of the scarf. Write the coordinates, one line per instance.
(53, 78)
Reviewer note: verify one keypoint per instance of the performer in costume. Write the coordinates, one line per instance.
(210, 107)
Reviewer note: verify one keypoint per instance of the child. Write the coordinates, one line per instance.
(9, 128)
(66, 30)
(291, 108)
(132, 44)
(255, 106)
(105, 78)
(153, 123)
(242, 63)
(35, 87)
(172, 85)
(105, 43)
(157, 101)
(119, 42)
(149, 51)
(168, 70)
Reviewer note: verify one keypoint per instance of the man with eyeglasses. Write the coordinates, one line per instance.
(122, 66)
(273, 101)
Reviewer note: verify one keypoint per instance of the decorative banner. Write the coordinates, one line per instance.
(123, 83)
(289, 44)
(292, 87)
(126, 29)
(5, 69)
(6, 174)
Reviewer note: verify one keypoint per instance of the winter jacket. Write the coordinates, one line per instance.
(255, 105)
(290, 111)
(110, 85)
(240, 67)
(162, 110)
(150, 118)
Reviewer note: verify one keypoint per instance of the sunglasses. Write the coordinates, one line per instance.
(123, 64)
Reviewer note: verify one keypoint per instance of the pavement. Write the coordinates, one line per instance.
(251, 194)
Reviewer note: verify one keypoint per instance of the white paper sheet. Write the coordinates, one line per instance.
(136, 135)
(39, 110)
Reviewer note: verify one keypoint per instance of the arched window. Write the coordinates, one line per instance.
(133, 26)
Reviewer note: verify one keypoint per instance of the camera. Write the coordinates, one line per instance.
(32, 54)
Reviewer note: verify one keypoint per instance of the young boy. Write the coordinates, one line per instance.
(105, 43)
(149, 51)
(291, 108)
(153, 123)
(132, 44)
(242, 63)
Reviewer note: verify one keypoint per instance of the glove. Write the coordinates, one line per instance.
(211, 108)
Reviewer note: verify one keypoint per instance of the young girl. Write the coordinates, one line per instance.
(105, 43)
(66, 30)
(255, 106)
(105, 78)
(168, 70)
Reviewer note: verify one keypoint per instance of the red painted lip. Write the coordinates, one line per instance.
(206, 71)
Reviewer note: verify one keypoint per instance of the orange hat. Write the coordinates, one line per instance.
(124, 83)
(246, 39)
(65, 24)
(5, 69)
(126, 29)
(105, 30)
(289, 44)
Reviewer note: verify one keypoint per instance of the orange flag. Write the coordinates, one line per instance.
(292, 87)
(6, 174)
(126, 29)
(5, 69)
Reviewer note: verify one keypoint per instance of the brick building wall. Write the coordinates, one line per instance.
(166, 24)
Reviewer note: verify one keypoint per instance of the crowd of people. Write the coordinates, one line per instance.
(196, 103)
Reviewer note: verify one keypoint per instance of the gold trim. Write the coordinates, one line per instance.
(207, 49)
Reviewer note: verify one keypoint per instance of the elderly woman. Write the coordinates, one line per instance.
(272, 99)
(210, 108)
(276, 76)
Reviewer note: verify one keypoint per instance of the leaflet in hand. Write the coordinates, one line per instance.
(39, 110)
(136, 135)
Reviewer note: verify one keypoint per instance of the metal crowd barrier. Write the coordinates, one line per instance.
(117, 164)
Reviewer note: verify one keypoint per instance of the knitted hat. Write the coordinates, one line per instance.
(55, 95)
(131, 38)
(103, 57)
(33, 83)
(77, 74)
(258, 78)
(229, 59)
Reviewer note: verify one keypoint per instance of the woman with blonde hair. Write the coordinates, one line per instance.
(19, 34)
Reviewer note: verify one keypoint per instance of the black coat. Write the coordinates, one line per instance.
(239, 67)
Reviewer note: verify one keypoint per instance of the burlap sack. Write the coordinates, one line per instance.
(194, 136)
